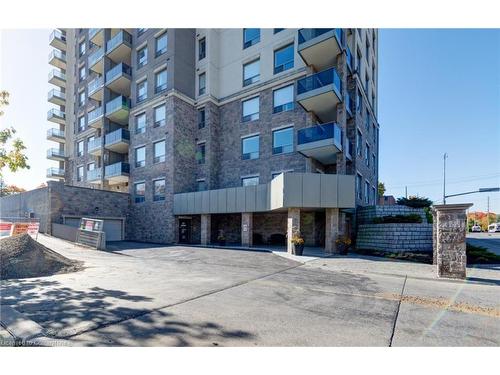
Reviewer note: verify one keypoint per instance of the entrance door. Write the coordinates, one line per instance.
(184, 230)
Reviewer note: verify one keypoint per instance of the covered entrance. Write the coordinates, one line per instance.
(184, 230)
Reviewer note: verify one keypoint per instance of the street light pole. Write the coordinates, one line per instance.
(444, 177)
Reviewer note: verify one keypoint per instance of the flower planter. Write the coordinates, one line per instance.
(297, 249)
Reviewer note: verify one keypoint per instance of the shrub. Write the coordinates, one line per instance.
(390, 219)
(480, 255)
(414, 202)
(428, 215)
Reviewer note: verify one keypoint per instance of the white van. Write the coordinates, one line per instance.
(495, 227)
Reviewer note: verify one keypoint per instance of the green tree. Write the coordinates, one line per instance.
(381, 189)
(12, 151)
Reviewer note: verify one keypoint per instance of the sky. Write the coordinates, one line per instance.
(439, 91)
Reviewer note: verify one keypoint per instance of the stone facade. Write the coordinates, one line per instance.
(365, 215)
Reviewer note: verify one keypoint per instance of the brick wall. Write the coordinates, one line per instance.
(365, 215)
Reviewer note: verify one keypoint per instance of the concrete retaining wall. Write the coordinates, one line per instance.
(33, 201)
(66, 232)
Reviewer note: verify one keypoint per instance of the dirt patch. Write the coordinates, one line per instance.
(22, 257)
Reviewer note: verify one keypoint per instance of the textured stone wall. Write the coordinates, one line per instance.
(267, 224)
(231, 226)
(365, 215)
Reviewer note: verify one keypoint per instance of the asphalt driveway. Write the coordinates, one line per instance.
(147, 295)
(490, 241)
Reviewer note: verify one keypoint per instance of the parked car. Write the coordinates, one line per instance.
(495, 227)
(475, 228)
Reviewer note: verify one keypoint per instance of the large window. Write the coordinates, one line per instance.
(201, 118)
(82, 48)
(81, 98)
(202, 83)
(140, 123)
(160, 116)
(250, 181)
(283, 99)
(202, 48)
(139, 192)
(250, 37)
(250, 148)
(79, 173)
(159, 190)
(283, 141)
(283, 59)
(200, 153)
(161, 44)
(81, 123)
(142, 57)
(82, 73)
(250, 109)
(161, 81)
(158, 152)
(140, 156)
(251, 72)
(142, 91)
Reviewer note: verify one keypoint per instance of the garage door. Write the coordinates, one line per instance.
(112, 227)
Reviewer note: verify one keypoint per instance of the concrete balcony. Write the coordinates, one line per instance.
(96, 61)
(119, 47)
(55, 154)
(117, 173)
(56, 135)
(58, 59)
(94, 176)
(56, 97)
(57, 116)
(57, 78)
(320, 142)
(96, 36)
(118, 141)
(320, 47)
(320, 93)
(95, 118)
(57, 40)
(95, 89)
(118, 109)
(94, 147)
(118, 79)
(57, 173)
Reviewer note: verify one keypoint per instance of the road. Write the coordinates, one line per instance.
(491, 241)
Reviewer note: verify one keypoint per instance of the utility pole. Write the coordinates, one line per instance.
(444, 177)
(406, 191)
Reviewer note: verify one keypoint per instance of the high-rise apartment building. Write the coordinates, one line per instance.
(236, 135)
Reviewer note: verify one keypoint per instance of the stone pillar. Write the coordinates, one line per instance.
(246, 229)
(451, 258)
(293, 226)
(434, 235)
(332, 229)
(205, 229)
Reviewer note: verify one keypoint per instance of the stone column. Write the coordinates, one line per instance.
(434, 235)
(332, 229)
(293, 226)
(451, 258)
(205, 229)
(246, 229)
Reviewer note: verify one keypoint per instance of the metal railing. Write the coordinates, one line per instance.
(318, 80)
(119, 69)
(117, 169)
(320, 132)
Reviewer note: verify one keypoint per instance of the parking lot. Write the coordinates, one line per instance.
(155, 295)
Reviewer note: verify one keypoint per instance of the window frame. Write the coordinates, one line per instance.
(145, 58)
(283, 67)
(139, 198)
(141, 98)
(253, 155)
(201, 123)
(163, 87)
(161, 197)
(78, 169)
(202, 91)
(248, 178)
(159, 158)
(253, 79)
(165, 49)
(157, 123)
(78, 152)
(290, 106)
(250, 42)
(201, 153)
(141, 130)
(252, 116)
(289, 128)
(139, 163)
(202, 51)
(81, 51)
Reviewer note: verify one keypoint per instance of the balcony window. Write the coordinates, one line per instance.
(142, 57)
(161, 81)
(202, 48)
(367, 192)
(283, 59)
(250, 148)
(251, 72)
(359, 192)
(81, 73)
(140, 123)
(160, 116)
(81, 98)
(283, 99)
(79, 148)
(201, 185)
(250, 37)
(250, 109)
(367, 155)
(276, 31)
(139, 192)
(79, 173)
(161, 44)
(201, 118)
(202, 82)
(359, 143)
(159, 190)
(82, 48)
(200, 153)
(283, 141)
(250, 181)
(142, 91)
(140, 156)
(81, 123)
(159, 152)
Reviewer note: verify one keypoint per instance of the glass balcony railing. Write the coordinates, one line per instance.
(121, 37)
(319, 133)
(57, 34)
(54, 73)
(306, 35)
(117, 136)
(116, 169)
(93, 32)
(94, 144)
(55, 152)
(94, 114)
(318, 80)
(56, 94)
(94, 174)
(95, 85)
(119, 69)
(55, 53)
(96, 56)
(55, 172)
(55, 113)
(55, 133)
(120, 102)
